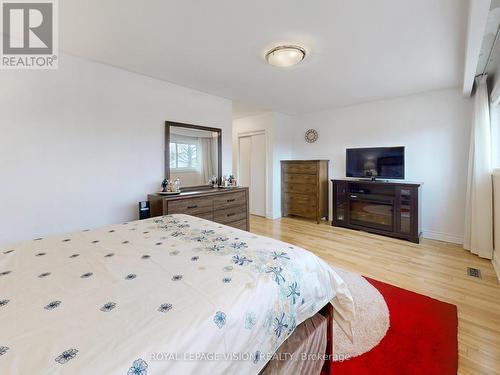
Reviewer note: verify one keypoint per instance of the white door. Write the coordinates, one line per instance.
(252, 171)
(244, 169)
(258, 176)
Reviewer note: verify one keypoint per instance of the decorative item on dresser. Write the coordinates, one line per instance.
(227, 206)
(387, 208)
(304, 188)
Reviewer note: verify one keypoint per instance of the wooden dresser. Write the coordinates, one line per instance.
(304, 188)
(228, 206)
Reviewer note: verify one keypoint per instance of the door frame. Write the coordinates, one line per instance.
(240, 135)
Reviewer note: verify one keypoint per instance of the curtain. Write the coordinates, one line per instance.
(495, 94)
(478, 234)
(207, 160)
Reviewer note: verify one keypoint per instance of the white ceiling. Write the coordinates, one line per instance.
(358, 50)
(241, 110)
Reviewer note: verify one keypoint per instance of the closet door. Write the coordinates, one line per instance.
(244, 161)
(252, 171)
(258, 176)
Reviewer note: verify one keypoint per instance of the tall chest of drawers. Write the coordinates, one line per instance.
(224, 206)
(304, 188)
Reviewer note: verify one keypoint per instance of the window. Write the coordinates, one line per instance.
(495, 136)
(184, 155)
(495, 124)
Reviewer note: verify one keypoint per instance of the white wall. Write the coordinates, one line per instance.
(433, 126)
(81, 145)
(282, 140)
(278, 146)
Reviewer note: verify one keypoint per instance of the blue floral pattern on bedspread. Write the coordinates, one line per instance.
(276, 267)
(139, 367)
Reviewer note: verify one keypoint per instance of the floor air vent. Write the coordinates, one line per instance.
(474, 272)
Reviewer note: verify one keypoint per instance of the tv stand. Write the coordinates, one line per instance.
(364, 179)
(381, 207)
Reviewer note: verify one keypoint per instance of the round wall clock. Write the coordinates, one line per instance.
(311, 136)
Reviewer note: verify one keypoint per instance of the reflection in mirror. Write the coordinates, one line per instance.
(193, 155)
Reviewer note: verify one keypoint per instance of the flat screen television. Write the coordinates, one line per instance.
(376, 162)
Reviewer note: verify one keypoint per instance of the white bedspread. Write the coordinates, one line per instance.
(171, 295)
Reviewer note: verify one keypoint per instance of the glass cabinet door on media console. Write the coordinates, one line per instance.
(340, 201)
(406, 198)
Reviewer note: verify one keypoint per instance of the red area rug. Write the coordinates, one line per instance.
(422, 338)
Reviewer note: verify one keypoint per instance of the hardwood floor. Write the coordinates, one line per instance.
(433, 268)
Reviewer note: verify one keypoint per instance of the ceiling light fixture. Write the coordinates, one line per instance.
(285, 56)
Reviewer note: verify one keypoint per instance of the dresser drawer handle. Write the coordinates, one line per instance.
(231, 200)
(192, 206)
(231, 214)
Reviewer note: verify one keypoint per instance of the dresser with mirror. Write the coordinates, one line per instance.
(193, 154)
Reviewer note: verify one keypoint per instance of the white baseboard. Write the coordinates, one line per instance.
(440, 236)
(496, 264)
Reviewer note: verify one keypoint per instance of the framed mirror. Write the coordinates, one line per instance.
(193, 154)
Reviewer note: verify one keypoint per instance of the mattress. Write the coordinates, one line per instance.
(175, 294)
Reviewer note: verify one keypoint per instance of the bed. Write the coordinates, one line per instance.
(173, 294)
